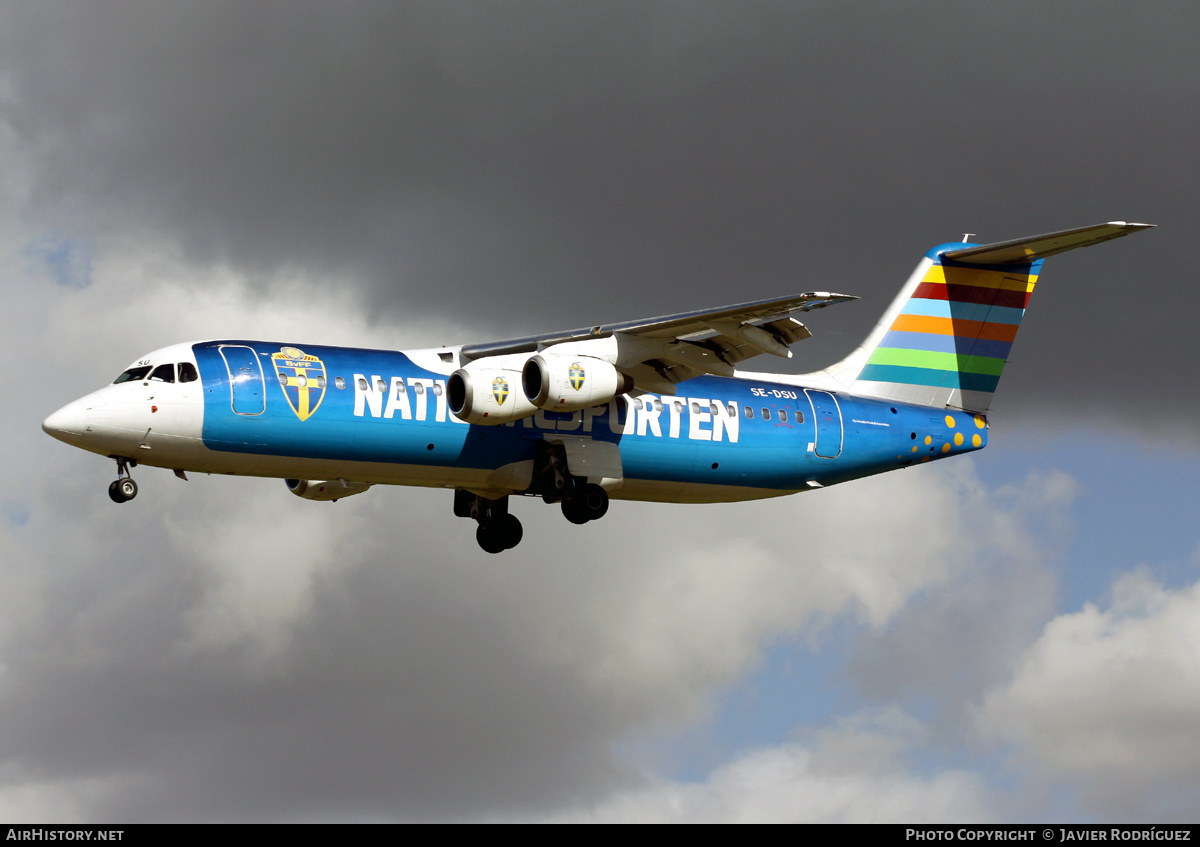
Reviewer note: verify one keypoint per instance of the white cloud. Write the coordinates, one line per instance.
(1109, 699)
(854, 771)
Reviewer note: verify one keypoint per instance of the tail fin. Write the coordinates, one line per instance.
(945, 338)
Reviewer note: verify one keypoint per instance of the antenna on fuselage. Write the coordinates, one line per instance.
(967, 235)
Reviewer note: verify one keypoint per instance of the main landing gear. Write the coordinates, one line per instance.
(582, 501)
(497, 530)
(123, 488)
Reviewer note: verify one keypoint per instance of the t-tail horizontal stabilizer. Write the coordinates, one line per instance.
(1042, 246)
(945, 339)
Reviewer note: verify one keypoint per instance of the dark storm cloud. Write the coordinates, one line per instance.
(536, 165)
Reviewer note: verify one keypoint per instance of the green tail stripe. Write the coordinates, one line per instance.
(937, 361)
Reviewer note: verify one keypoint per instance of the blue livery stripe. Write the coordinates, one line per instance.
(928, 376)
(963, 311)
(946, 344)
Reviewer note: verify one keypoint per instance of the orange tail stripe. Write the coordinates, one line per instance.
(960, 329)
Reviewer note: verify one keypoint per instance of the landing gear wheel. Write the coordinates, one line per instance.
(510, 531)
(503, 533)
(489, 539)
(595, 501)
(122, 490)
(574, 510)
(590, 503)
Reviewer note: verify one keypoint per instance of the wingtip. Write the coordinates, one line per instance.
(1131, 225)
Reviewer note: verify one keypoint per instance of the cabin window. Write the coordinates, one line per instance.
(321, 382)
(733, 410)
(695, 408)
(282, 377)
(783, 415)
(437, 389)
(339, 382)
(749, 413)
(677, 406)
(420, 388)
(799, 416)
(766, 414)
(187, 372)
(381, 385)
(163, 373)
(362, 384)
(637, 402)
(133, 375)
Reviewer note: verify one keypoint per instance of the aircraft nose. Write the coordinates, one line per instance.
(70, 420)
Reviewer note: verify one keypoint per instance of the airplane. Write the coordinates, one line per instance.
(650, 410)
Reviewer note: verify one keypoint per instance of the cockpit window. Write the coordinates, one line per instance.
(133, 374)
(163, 373)
(187, 372)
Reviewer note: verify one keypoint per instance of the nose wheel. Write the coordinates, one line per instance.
(123, 488)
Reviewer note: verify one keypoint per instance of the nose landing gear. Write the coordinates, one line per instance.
(123, 488)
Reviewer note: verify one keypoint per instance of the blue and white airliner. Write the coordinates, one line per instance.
(645, 410)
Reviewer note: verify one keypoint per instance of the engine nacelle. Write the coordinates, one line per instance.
(570, 383)
(489, 396)
(325, 489)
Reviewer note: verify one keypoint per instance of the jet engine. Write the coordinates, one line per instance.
(488, 396)
(325, 489)
(569, 383)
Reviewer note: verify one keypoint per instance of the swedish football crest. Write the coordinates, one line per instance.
(577, 373)
(302, 378)
(500, 390)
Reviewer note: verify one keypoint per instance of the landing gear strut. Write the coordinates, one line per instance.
(582, 501)
(123, 488)
(497, 530)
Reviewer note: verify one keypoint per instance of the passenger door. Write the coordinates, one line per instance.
(247, 390)
(827, 416)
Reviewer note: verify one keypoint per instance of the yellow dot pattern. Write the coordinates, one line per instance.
(947, 441)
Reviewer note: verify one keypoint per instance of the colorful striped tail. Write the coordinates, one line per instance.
(945, 339)
(950, 340)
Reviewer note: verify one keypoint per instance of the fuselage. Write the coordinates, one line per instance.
(381, 417)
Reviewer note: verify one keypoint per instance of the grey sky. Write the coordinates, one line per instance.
(410, 174)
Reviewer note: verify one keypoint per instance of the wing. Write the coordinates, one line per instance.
(660, 352)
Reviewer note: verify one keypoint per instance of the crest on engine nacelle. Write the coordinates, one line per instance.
(500, 390)
(577, 373)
